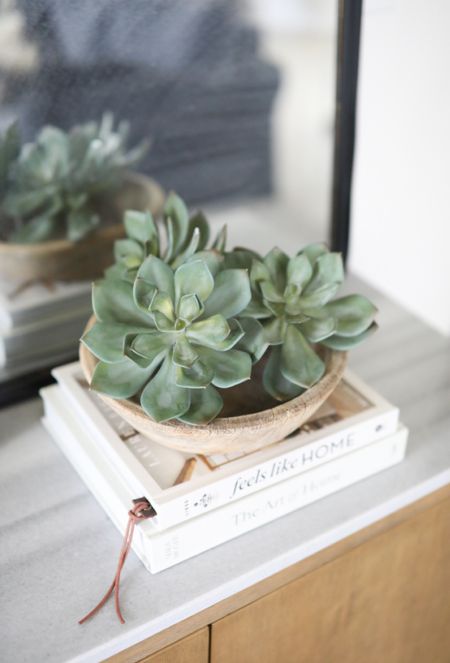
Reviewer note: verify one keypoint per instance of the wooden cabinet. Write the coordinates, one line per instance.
(379, 596)
(385, 601)
(193, 648)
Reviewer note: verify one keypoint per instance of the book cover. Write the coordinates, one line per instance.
(160, 549)
(181, 486)
(24, 304)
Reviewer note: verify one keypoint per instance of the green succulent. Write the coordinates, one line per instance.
(49, 187)
(293, 310)
(185, 236)
(169, 338)
(9, 153)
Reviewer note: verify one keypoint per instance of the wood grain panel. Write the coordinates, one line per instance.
(386, 600)
(192, 649)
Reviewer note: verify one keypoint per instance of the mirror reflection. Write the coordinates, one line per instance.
(107, 107)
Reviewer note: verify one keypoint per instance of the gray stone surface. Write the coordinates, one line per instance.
(58, 548)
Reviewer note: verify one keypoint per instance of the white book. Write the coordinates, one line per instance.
(23, 304)
(43, 339)
(160, 549)
(353, 417)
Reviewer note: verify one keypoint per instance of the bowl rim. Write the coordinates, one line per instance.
(335, 362)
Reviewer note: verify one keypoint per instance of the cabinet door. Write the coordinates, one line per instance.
(192, 649)
(384, 601)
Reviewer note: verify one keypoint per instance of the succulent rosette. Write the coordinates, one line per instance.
(292, 309)
(169, 338)
(184, 236)
(48, 188)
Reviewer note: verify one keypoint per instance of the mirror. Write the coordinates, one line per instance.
(236, 101)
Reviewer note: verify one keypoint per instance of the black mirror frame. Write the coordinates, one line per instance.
(348, 41)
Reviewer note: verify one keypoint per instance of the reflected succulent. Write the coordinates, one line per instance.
(185, 236)
(169, 337)
(49, 187)
(293, 310)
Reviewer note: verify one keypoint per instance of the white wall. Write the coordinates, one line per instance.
(400, 239)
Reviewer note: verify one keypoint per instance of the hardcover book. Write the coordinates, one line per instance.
(38, 303)
(160, 549)
(181, 486)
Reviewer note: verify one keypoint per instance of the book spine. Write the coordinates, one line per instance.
(292, 463)
(160, 550)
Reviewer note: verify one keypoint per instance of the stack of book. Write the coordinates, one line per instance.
(41, 323)
(203, 501)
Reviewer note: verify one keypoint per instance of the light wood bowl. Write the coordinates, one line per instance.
(62, 260)
(243, 433)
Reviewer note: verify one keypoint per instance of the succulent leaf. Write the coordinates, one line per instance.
(213, 260)
(235, 335)
(317, 330)
(274, 330)
(210, 331)
(128, 251)
(38, 230)
(121, 379)
(150, 345)
(231, 293)
(205, 406)
(353, 314)
(230, 368)
(140, 227)
(162, 303)
(9, 152)
(198, 222)
(276, 262)
(299, 271)
(162, 398)
(197, 376)
(345, 343)
(328, 269)
(189, 250)
(157, 274)
(189, 308)
(253, 338)
(274, 381)
(106, 340)
(113, 301)
(184, 353)
(176, 218)
(193, 278)
(299, 363)
(80, 223)
(313, 251)
(220, 240)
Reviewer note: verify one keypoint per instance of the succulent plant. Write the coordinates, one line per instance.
(49, 187)
(185, 236)
(170, 337)
(293, 310)
(9, 152)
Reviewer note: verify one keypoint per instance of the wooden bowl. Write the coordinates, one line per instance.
(63, 260)
(243, 433)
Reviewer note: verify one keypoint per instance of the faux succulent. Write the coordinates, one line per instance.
(184, 236)
(292, 303)
(174, 322)
(49, 187)
(169, 338)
